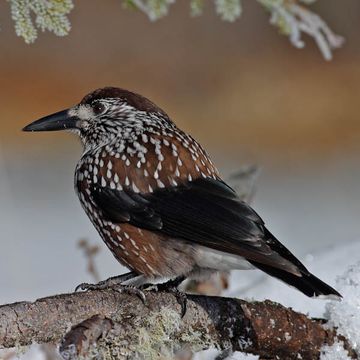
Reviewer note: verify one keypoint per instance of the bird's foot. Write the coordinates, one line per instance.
(115, 283)
(171, 286)
(108, 283)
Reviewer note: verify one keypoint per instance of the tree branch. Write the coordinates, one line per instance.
(119, 325)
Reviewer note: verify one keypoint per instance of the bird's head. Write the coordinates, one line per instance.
(104, 114)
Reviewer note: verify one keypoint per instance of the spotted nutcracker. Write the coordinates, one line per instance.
(158, 201)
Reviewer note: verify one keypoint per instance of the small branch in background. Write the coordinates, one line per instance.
(90, 252)
(243, 182)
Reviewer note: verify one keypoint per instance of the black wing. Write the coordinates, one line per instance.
(204, 211)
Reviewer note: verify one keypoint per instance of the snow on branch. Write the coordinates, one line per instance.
(292, 17)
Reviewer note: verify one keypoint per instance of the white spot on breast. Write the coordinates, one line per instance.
(160, 184)
(135, 188)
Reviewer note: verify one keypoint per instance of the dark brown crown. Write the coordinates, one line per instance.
(137, 101)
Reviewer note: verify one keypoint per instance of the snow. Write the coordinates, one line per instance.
(345, 315)
(334, 352)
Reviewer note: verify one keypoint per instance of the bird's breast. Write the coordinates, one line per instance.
(145, 163)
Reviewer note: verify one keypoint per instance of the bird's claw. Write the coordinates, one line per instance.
(170, 287)
(86, 287)
(131, 290)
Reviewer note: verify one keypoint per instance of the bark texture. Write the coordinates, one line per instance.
(107, 324)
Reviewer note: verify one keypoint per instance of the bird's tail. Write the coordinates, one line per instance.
(308, 284)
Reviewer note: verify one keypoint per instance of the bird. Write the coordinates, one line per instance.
(158, 201)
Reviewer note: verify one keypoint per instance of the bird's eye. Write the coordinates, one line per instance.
(98, 108)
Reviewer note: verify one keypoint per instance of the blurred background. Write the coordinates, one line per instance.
(239, 88)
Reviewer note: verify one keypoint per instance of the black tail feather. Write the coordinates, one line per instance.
(308, 284)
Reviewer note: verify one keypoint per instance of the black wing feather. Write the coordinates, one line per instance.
(204, 211)
(208, 212)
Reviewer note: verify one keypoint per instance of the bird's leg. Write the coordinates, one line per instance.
(108, 283)
(171, 286)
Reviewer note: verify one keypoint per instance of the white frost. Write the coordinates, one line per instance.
(345, 315)
(334, 352)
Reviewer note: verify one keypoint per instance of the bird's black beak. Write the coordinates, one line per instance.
(61, 120)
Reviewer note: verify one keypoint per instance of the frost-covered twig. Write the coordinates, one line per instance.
(49, 15)
(289, 16)
(293, 19)
(106, 322)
